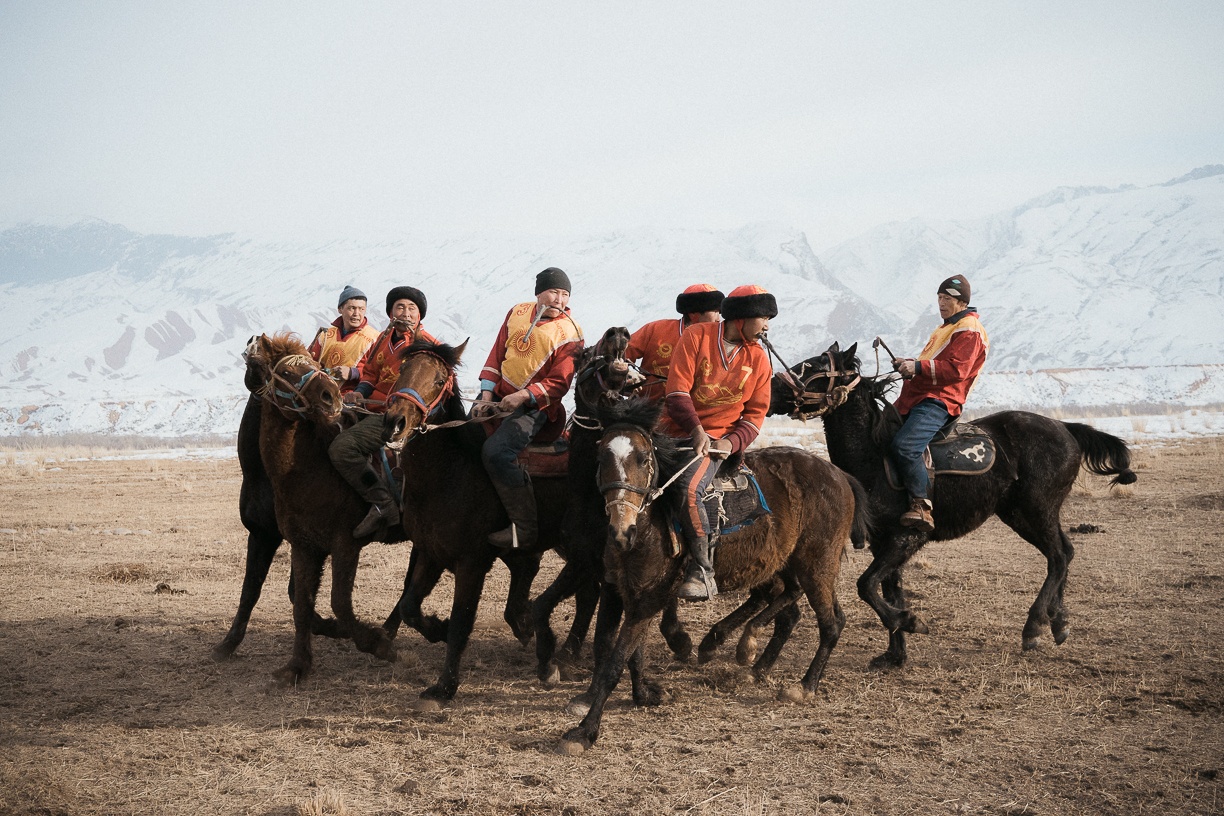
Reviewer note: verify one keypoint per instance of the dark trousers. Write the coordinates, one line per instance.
(687, 492)
(501, 450)
(350, 452)
(921, 424)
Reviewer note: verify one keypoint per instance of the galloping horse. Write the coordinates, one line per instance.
(603, 379)
(315, 508)
(815, 510)
(1038, 460)
(450, 506)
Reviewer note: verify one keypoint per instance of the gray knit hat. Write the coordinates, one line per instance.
(349, 293)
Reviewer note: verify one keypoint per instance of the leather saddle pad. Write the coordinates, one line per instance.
(967, 451)
(548, 459)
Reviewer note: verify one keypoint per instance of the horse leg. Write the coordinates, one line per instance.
(678, 640)
(261, 549)
(758, 599)
(394, 618)
(607, 675)
(469, 582)
(308, 569)
(370, 639)
(785, 621)
(607, 622)
(565, 584)
(422, 577)
(822, 595)
(890, 556)
(586, 600)
(1044, 533)
(896, 654)
(646, 692)
(523, 568)
(746, 650)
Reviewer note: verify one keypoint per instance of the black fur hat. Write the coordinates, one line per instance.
(749, 301)
(552, 278)
(700, 297)
(407, 293)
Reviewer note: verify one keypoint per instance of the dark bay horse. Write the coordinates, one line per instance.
(816, 510)
(1037, 463)
(603, 379)
(315, 509)
(450, 506)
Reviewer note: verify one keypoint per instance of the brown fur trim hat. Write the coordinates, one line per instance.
(407, 293)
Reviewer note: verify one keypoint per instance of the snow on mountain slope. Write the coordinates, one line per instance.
(1092, 297)
(1081, 277)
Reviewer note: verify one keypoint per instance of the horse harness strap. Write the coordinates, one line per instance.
(294, 393)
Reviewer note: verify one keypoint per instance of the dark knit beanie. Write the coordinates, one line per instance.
(406, 293)
(749, 301)
(350, 292)
(552, 278)
(700, 297)
(956, 286)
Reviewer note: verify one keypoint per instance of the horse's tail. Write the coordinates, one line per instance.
(1103, 454)
(861, 526)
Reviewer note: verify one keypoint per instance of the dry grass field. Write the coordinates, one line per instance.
(118, 577)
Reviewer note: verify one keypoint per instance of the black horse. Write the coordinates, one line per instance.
(1037, 462)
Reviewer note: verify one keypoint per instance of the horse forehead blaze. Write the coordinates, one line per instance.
(621, 448)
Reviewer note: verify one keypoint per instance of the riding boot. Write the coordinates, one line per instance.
(918, 516)
(698, 584)
(520, 504)
(384, 512)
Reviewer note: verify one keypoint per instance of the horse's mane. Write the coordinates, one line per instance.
(643, 413)
(284, 344)
(447, 353)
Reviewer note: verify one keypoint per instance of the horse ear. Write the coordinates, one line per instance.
(849, 353)
(460, 349)
(833, 348)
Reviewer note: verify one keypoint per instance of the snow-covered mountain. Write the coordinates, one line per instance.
(114, 331)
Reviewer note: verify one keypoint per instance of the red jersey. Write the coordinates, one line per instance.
(728, 384)
(381, 364)
(654, 345)
(948, 365)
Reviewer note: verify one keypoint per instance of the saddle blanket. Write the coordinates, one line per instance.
(548, 459)
(735, 500)
(968, 451)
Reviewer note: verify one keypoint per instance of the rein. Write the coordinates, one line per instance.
(817, 403)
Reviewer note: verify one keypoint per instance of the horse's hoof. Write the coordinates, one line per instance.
(746, 651)
(885, 662)
(1030, 643)
(913, 624)
(572, 747)
(427, 705)
(1060, 635)
(386, 651)
(288, 677)
(579, 706)
(550, 675)
(794, 694)
(222, 653)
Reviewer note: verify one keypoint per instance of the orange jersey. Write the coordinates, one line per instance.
(654, 345)
(725, 386)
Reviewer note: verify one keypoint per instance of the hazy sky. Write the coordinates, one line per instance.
(360, 119)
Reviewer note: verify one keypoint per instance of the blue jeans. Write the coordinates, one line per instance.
(921, 424)
(501, 450)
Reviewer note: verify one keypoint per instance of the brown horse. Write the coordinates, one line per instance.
(316, 510)
(257, 510)
(603, 379)
(815, 510)
(450, 506)
(1038, 460)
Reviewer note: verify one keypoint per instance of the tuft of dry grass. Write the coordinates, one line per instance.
(121, 573)
(324, 803)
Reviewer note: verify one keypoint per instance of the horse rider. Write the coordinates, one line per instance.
(717, 396)
(378, 369)
(935, 389)
(654, 343)
(340, 346)
(528, 371)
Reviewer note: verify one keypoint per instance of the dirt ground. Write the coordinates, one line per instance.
(118, 577)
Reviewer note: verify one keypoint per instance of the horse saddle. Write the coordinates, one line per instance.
(547, 459)
(963, 450)
(734, 500)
